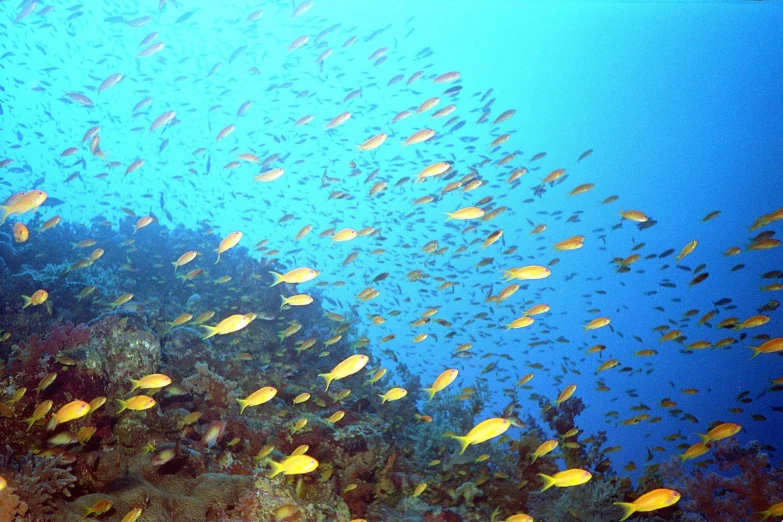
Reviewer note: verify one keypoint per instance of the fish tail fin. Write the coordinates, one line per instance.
(285, 301)
(430, 393)
(756, 351)
(450, 216)
(211, 331)
(27, 301)
(535, 456)
(328, 378)
(383, 397)
(463, 443)
(278, 278)
(135, 384)
(123, 405)
(507, 276)
(704, 438)
(548, 481)
(175, 265)
(277, 468)
(628, 509)
(218, 259)
(6, 213)
(368, 382)
(242, 404)
(30, 423)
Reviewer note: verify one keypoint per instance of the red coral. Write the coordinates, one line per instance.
(30, 354)
(738, 493)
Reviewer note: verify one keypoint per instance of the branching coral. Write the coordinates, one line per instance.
(746, 484)
(39, 483)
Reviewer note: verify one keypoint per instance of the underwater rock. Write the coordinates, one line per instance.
(592, 501)
(318, 503)
(215, 389)
(442, 516)
(183, 347)
(207, 497)
(121, 348)
(468, 491)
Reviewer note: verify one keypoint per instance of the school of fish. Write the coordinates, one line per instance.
(399, 194)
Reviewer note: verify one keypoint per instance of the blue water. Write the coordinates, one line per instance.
(680, 102)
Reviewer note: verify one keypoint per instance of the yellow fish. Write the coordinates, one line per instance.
(296, 300)
(230, 241)
(98, 508)
(465, 213)
(121, 300)
(40, 412)
(655, 499)
(152, 381)
(293, 465)
(132, 515)
(443, 380)
(565, 395)
(259, 396)
(38, 297)
(229, 325)
(482, 432)
(598, 322)
(564, 479)
(335, 417)
(71, 411)
(544, 448)
(519, 517)
(348, 367)
(22, 202)
(184, 259)
(721, 431)
(302, 397)
(394, 394)
(527, 272)
(297, 275)
(137, 403)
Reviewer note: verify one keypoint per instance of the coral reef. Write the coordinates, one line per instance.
(371, 460)
(36, 485)
(591, 501)
(745, 485)
(121, 347)
(212, 387)
(30, 357)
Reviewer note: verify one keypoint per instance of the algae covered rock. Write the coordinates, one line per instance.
(121, 348)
